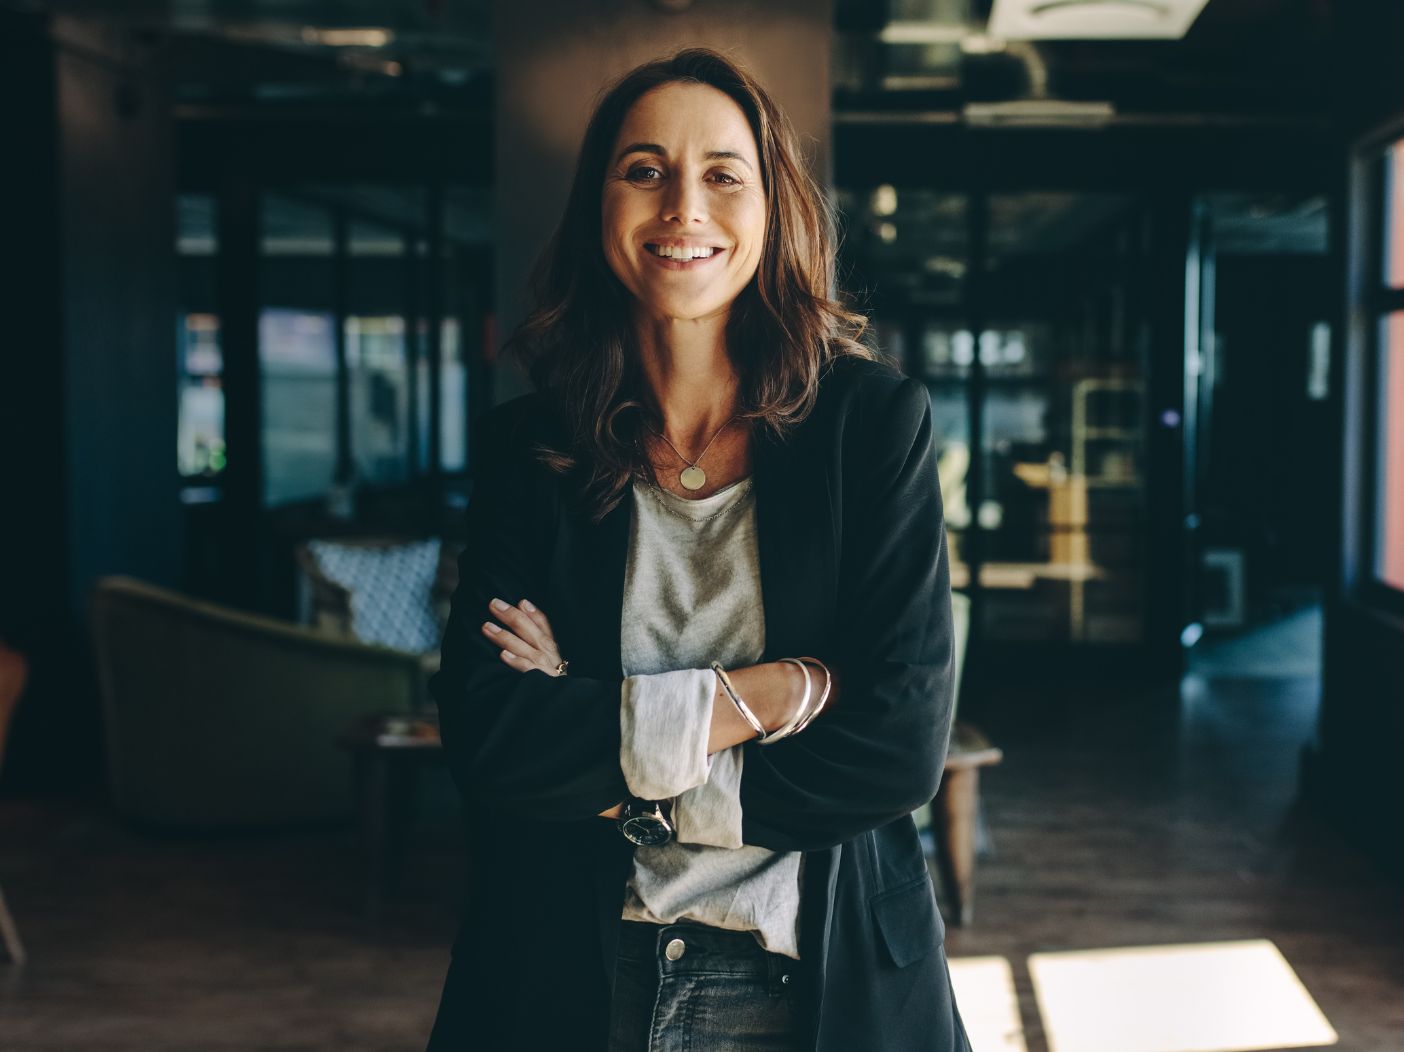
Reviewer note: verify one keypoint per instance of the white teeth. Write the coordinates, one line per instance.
(681, 253)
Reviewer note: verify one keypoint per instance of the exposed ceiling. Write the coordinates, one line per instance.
(272, 51)
(1258, 56)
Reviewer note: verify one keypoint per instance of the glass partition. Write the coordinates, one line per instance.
(199, 361)
(297, 347)
(1063, 437)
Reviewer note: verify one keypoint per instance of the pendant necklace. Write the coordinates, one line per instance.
(692, 477)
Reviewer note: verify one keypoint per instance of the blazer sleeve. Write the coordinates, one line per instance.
(528, 743)
(878, 754)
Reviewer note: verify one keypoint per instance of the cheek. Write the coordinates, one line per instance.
(750, 229)
(615, 233)
(748, 222)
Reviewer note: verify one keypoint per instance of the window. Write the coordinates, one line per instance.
(199, 362)
(1387, 521)
(346, 284)
(297, 348)
(1389, 475)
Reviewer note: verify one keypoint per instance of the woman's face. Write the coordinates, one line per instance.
(684, 173)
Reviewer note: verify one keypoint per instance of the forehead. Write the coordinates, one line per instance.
(688, 118)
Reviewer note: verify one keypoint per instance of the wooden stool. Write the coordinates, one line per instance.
(955, 816)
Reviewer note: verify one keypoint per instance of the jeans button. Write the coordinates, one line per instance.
(674, 949)
(785, 979)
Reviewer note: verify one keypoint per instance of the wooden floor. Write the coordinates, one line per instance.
(1147, 820)
(1120, 818)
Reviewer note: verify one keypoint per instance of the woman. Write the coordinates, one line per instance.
(698, 669)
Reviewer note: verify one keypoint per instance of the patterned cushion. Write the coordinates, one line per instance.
(390, 588)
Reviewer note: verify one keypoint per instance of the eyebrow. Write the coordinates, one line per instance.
(653, 147)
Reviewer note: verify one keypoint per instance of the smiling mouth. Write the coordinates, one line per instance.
(682, 262)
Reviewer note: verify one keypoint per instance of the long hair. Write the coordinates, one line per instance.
(577, 344)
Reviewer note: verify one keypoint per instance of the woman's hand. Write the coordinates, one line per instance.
(526, 640)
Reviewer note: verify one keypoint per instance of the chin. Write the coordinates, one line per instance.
(689, 311)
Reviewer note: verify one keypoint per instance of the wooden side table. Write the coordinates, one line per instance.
(388, 752)
(955, 814)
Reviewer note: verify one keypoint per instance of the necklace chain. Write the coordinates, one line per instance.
(692, 476)
(658, 495)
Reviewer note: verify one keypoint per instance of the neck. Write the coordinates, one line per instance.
(690, 375)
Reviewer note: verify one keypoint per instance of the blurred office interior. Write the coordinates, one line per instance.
(1148, 260)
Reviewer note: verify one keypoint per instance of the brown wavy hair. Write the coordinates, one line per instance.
(577, 345)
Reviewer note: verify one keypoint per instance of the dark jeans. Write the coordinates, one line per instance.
(693, 988)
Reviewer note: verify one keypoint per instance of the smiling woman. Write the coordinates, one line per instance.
(683, 153)
(693, 828)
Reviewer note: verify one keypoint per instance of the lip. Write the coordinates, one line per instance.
(677, 264)
(669, 241)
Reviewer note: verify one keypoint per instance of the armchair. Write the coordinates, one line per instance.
(217, 718)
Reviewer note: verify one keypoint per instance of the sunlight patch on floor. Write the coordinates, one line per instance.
(1209, 997)
(989, 1007)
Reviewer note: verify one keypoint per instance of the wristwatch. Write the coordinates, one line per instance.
(644, 823)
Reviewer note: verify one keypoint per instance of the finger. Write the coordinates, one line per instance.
(520, 623)
(523, 664)
(509, 640)
(540, 620)
(515, 661)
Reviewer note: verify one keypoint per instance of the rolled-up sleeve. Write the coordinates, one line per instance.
(665, 721)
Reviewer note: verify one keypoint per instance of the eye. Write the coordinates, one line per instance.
(731, 179)
(642, 168)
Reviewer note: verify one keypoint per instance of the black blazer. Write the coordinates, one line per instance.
(853, 571)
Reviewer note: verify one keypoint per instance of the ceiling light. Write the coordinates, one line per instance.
(925, 32)
(1038, 113)
(980, 44)
(347, 37)
(1093, 19)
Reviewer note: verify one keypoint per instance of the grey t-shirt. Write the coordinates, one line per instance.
(692, 596)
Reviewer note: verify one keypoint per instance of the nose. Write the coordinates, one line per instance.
(683, 200)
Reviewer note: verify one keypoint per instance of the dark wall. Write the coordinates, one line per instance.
(88, 376)
(1365, 61)
(34, 572)
(1271, 451)
(119, 299)
(554, 57)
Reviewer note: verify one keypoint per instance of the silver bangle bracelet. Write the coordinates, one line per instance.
(823, 698)
(789, 728)
(741, 707)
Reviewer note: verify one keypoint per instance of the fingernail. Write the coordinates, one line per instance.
(498, 604)
(526, 605)
(492, 627)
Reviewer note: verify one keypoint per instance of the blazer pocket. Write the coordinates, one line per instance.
(908, 921)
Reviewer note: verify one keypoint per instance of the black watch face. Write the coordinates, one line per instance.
(647, 830)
